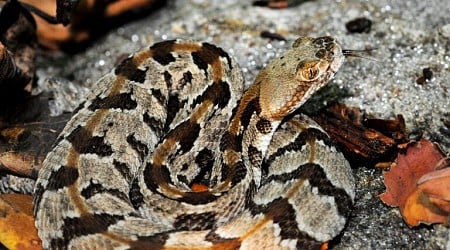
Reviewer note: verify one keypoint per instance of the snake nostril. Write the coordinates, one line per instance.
(330, 54)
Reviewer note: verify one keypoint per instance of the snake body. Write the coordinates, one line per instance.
(167, 153)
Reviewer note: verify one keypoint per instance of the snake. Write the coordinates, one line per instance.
(169, 152)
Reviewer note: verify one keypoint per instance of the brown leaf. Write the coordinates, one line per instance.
(362, 140)
(83, 20)
(26, 135)
(419, 184)
(10, 74)
(17, 53)
(436, 185)
(17, 229)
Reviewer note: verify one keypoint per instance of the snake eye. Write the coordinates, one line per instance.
(308, 71)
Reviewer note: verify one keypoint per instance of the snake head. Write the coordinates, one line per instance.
(289, 81)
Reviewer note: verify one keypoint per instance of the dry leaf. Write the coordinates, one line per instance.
(88, 19)
(17, 53)
(419, 184)
(362, 140)
(27, 132)
(17, 229)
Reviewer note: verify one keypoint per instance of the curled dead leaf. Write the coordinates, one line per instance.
(17, 229)
(17, 53)
(27, 132)
(362, 140)
(419, 184)
(63, 24)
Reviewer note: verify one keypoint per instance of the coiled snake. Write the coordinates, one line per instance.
(167, 153)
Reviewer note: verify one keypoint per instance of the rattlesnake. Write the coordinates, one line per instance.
(165, 153)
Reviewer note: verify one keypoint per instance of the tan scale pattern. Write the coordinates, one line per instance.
(174, 116)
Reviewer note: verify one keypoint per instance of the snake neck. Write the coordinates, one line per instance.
(249, 133)
(279, 89)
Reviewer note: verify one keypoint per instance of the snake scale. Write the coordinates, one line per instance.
(169, 152)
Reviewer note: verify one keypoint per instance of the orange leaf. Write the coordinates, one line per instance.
(17, 229)
(419, 184)
(419, 208)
